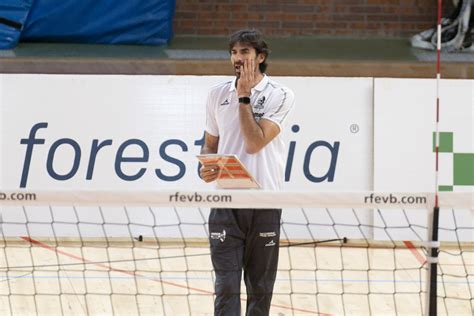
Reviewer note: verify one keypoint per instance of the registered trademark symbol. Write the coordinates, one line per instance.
(354, 128)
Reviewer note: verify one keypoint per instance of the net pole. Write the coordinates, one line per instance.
(432, 291)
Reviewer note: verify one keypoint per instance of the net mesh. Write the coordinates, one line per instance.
(156, 260)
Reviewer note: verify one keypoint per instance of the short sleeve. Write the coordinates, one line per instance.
(280, 104)
(211, 122)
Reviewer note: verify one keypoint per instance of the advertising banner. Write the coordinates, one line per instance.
(405, 125)
(143, 132)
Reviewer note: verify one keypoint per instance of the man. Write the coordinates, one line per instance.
(245, 117)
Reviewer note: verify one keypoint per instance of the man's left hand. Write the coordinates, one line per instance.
(247, 78)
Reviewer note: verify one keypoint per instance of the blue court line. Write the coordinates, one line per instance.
(178, 278)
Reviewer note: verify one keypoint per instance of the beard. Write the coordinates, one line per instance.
(237, 67)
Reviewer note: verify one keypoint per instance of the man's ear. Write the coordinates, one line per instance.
(261, 57)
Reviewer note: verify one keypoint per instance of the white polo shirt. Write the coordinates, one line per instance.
(270, 101)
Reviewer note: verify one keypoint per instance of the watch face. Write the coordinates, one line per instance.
(244, 100)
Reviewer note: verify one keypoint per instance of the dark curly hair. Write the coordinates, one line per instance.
(253, 38)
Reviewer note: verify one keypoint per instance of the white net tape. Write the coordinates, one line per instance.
(241, 199)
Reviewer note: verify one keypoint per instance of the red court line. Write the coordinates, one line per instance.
(421, 259)
(84, 260)
(87, 261)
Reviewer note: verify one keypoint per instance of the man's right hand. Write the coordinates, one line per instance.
(209, 173)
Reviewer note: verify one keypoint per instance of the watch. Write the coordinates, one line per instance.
(244, 100)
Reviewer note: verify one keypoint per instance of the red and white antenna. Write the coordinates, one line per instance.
(438, 79)
(432, 257)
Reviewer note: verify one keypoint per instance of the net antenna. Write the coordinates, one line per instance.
(432, 258)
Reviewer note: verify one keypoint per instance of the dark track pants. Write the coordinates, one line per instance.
(245, 239)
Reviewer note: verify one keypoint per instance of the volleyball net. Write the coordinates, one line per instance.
(147, 252)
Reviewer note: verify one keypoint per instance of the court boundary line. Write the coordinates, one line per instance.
(419, 257)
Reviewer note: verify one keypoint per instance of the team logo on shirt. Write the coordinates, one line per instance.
(258, 116)
(259, 104)
(226, 102)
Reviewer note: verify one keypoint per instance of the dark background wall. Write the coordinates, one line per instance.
(342, 18)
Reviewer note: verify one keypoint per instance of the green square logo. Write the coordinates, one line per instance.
(445, 188)
(445, 142)
(463, 165)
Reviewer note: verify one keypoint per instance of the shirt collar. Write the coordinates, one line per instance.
(259, 87)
